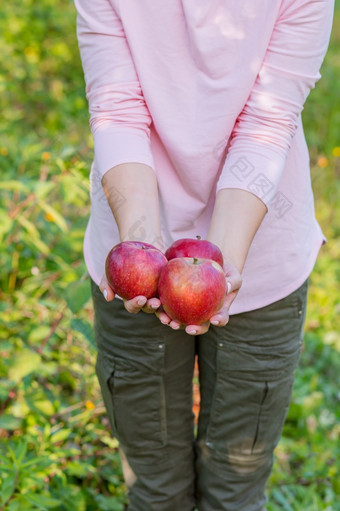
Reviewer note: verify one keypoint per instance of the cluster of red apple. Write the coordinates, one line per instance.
(188, 279)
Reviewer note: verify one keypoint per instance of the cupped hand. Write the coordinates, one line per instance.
(153, 305)
(221, 318)
(134, 305)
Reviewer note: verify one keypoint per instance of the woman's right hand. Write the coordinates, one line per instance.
(134, 305)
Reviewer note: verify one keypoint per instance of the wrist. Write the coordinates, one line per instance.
(137, 211)
(236, 217)
(231, 255)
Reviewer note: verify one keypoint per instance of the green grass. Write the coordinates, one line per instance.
(55, 448)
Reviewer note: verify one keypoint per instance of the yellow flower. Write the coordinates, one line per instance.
(49, 217)
(322, 162)
(32, 54)
(89, 405)
(3, 151)
(45, 156)
(336, 151)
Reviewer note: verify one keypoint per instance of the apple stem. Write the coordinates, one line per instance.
(198, 237)
(195, 260)
(143, 247)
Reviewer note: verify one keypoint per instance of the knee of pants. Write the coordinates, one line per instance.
(161, 487)
(237, 483)
(237, 462)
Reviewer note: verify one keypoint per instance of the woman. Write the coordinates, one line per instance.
(196, 117)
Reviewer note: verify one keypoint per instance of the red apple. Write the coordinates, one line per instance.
(192, 290)
(132, 268)
(190, 247)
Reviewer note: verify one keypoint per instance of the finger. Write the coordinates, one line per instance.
(221, 318)
(175, 325)
(197, 329)
(105, 288)
(166, 319)
(163, 317)
(135, 304)
(233, 278)
(151, 305)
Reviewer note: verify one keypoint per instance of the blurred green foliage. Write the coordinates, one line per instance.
(56, 451)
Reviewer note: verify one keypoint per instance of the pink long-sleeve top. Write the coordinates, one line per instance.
(209, 94)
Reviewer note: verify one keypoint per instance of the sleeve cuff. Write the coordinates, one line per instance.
(253, 172)
(112, 147)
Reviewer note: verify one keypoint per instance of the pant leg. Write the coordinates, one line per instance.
(145, 371)
(246, 378)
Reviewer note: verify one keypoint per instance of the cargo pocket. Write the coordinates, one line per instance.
(272, 414)
(135, 397)
(251, 398)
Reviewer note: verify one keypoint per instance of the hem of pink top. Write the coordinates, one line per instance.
(287, 290)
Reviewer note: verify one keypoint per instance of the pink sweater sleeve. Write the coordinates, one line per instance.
(264, 129)
(119, 117)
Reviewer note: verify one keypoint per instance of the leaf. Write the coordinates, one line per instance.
(21, 450)
(108, 503)
(22, 364)
(40, 462)
(34, 235)
(73, 499)
(77, 469)
(38, 333)
(42, 501)
(44, 406)
(3, 459)
(43, 188)
(85, 328)
(10, 423)
(60, 435)
(281, 499)
(7, 489)
(14, 185)
(19, 503)
(6, 224)
(77, 294)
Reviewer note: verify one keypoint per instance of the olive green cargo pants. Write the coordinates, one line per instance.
(246, 372)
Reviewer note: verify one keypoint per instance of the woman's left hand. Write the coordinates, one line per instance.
(221, 318)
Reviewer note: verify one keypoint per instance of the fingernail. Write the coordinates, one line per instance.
(176, 327)
(214, 322)
(105, 294)
(192, 332)
(228, 287)
(141, 301)
(154, 306)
